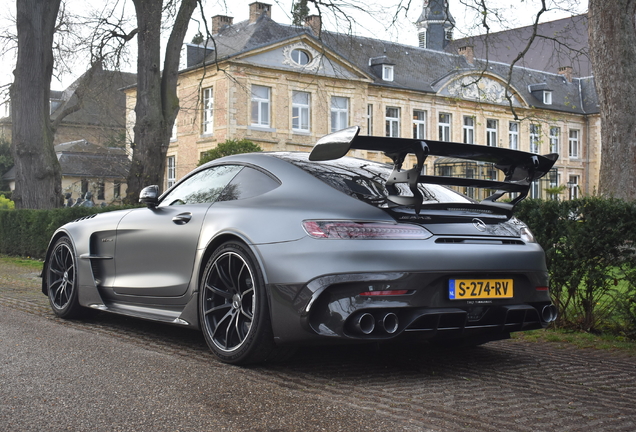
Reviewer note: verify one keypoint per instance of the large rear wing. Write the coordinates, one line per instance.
(520, 168)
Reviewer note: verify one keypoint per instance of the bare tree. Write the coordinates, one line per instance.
(157, 101)
(37, 170)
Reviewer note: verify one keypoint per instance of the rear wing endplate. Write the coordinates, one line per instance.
(520, 168)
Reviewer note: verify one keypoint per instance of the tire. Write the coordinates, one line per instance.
(233, 307)
(61, 280)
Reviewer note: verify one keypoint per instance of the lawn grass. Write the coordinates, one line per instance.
(580, 340)
(22, 262)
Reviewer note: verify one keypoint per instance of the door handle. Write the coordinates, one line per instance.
(182, 219)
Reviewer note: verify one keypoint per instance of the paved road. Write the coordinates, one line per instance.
(112, 373)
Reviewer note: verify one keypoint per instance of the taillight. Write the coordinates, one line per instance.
(384, 293)
(364, 230)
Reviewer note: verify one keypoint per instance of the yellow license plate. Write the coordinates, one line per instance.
(469, 289)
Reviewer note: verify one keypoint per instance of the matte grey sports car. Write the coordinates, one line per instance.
(266, 251)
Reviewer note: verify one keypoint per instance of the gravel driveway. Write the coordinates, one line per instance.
(114, 373)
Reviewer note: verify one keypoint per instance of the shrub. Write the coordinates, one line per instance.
(590, 252)
(228, 148)
(6, 203)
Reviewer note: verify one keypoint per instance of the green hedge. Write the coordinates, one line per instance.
(27, 232)
(590, 247)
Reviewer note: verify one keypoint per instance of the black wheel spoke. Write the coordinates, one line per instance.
(218, 291)
(221, 324)
(225, 278)
(218, 308)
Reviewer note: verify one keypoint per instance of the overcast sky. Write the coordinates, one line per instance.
(516, 12)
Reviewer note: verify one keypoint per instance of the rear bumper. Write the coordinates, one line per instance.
(329, 306)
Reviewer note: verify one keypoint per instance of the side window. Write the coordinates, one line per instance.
(248, 184)
(203, 187)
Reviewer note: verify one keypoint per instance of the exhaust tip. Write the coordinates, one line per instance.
(364, 323)
(549, 313)
(390, 323)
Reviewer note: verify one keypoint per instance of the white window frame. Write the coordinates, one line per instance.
(555, 175)
(573, 186)
(547, 97)
(369, 119)
(513, 135)
(492, 127)
(555, 133)
(171, 171)
(207, 121)
(573, 143)
(444, 126)
(534, 135)
(300, 56)
(419, 124)
(392, 121)
(301, 110)
(468, 128)
(339, 113)
(387, 72)
(261, 114)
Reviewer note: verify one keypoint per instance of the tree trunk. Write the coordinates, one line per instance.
(612, 35)
(38, 178)
(157, 102)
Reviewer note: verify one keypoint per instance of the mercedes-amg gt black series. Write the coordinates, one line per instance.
(265, 251)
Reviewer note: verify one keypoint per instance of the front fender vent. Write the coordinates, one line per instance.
(85, 217)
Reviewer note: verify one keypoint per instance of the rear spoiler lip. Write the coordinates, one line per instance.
(519, 168)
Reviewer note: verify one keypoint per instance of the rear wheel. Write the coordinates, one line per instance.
(233, 307)
(61, 280)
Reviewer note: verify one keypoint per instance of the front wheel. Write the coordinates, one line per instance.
(61, 280)
(233, 306)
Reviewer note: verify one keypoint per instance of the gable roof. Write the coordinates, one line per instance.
(102, 104)
(84, 159)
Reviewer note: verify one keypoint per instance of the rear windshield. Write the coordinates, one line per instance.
(365, 180)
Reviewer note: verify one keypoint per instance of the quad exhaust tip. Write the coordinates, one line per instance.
(364, 323)
(549, 313)
(390, 323)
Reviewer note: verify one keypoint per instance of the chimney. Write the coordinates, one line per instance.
(220, 21)
(314, 22)
(257, 9)
(566, 72)
(468, 53)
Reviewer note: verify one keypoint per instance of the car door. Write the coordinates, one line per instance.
(155, 247)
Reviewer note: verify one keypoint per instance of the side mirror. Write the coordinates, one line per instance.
(149, 196)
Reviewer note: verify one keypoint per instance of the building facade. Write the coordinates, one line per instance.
(284, 86)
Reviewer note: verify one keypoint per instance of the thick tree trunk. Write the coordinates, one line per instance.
(157, 102)
(612, 35)
(37, 171)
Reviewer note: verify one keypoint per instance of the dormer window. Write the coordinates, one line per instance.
(387, 72)
(547, 97)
